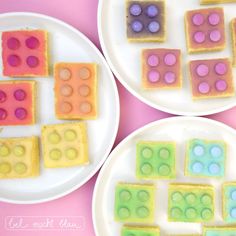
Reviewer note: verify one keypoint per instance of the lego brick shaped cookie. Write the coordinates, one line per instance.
(146, 20)
(76, 90)
(216, 1)
(205, 30)
(17, 102)
(205, 158)
(155, 160)
(134, 203)
(190, 203)
(161, 69)
(65, 145)
(19, 157)
(140, 231)
(233, 35)
(211, 78)
(219, 230)
(24, 53)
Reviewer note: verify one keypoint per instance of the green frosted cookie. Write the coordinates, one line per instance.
(140, 231)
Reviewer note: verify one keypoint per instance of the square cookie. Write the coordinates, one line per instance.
(219, 230)
(215, 1)
(233, 35)
(75, 90)
(24, 53)
(17, 102)
(205, 158)
(146, 20)
(155, 160)
(134, 203)
(161, 68)
(190, 203)
(205, 30)
(140, 231)
(19, 157)
(65, 145)
(211, 78)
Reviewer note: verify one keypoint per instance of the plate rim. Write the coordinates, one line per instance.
(116, 96)
(134, 92)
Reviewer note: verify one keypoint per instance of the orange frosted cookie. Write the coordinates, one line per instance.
(76, 90)
(24, 53)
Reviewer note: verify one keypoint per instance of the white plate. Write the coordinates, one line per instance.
(120, 167)
(124, 58)
(65, 44)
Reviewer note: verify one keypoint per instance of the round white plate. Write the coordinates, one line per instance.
(69, 45)
(124, 58)
(120, 167)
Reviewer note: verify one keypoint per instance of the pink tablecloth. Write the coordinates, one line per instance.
(82, 15)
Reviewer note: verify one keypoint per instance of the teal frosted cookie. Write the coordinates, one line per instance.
(219, 231)
(140, 231)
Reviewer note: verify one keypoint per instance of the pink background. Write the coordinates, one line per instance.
(82, 15)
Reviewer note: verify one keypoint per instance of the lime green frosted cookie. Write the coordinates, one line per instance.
(140, 231)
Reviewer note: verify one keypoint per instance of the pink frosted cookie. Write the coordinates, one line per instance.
(161, 68)
(211, 78)
(205, 30)
(24, 53)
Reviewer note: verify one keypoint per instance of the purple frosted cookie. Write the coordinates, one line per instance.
(145, 20)
(211, 78)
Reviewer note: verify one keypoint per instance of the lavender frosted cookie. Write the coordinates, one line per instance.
(145, 20)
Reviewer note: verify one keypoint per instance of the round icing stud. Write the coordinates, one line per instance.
(215, 36)
(66, 107)
(153, 60)
(164, 170)
(216, 151)
(3, 96)
(19, 150)
(21, 113)
(152, 11)
(137, 26)
(66, 90)
(14, 60)
(177, 197)
(214, 19)
(233, 195)
(54, 138)
(202, 70)
(5, 168)
(199, 37)
(164, 153)
(214, 168)
(170, 59)
(4, 150)
(154, 26)
(84, 73)
(191, 198)
(143, 196)
(198, 150)
(221, 68)
(3, 114)
(206, 214)
(204, 88)
(124, 212)
(64, 74)
(146, 169)
(142, 212)
(20, 168)
(198, 19)
(55, 154)
(85, 107)
(13, 43)
(84, 90)
(176, 212)
(20, 94)
(233, 212)
(70, 135)
(206, 199)
(153, 76)
(170, 77)
(125, 195)
(190, 213)
(32, 61)
(221, 85)
(71, 153)
(135, 9)
(147, 152)
(197, 167)
(32, 42)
